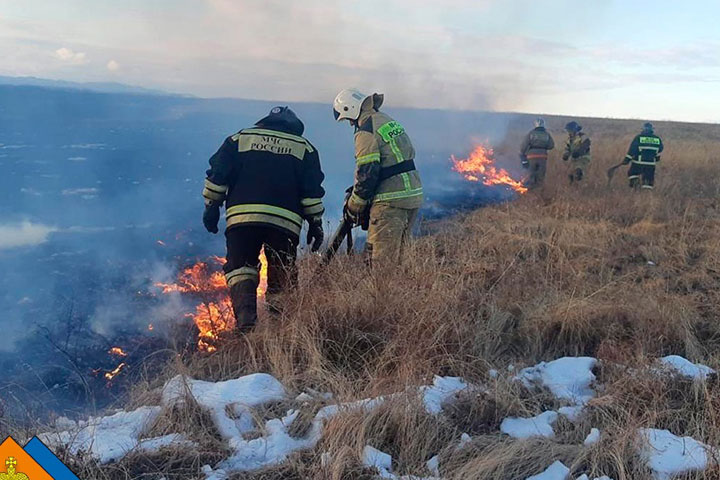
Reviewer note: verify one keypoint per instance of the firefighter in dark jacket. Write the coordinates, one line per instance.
(643, 155)
(534, 153)
(387, 185)
(270, 181)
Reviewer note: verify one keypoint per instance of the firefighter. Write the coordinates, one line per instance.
(577, 151)
(270, 181)
(643, 154)
(534, 153)
(387, 191)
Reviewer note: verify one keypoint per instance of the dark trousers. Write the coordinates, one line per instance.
(242, 269)
(641, 176)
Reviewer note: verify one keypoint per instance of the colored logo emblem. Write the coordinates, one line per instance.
(33, 462)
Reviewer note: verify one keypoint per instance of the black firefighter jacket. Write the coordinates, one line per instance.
(267, 175)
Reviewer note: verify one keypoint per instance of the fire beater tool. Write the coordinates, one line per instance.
(611, 171)
(342, 234)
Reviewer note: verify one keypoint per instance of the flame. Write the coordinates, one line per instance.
(151, 327)
(213, 314)
(118, 352)
(480, 167)
(262, 286)
(114, 373)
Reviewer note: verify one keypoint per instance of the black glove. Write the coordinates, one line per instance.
(566, 156)
(625, 161)
(525, 164)
(349, 216)
(211, 217)
(315, 234)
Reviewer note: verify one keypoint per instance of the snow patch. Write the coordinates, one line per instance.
(464, 440)
(107, 438)
(556, 471)
(433, 465)
(221, 398)
(442, 389)
(174, 440)
(572, 413)
(668, 455)
(568, 378)
(538, 426)
(592, 438)
(686, 368)
(381, 461)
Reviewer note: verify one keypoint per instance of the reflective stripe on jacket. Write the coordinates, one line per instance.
(266, 177)
(380, 143)
(577, 148)
(645, 149)
(536, 144)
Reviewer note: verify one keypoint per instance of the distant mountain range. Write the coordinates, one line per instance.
(104, 87)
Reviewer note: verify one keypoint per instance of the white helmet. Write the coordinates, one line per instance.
(348, 103)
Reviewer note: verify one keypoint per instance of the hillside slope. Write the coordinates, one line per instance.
(591, 271)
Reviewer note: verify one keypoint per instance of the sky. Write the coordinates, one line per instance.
(608, 58)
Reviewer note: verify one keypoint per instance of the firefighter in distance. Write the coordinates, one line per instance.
(643, 156)
(534, 153)
(577, 152)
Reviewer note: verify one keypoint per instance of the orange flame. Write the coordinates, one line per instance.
(118, 352)
(262, 286)
(114, 373)
(214, 314)
(480, 166)
(151, 327)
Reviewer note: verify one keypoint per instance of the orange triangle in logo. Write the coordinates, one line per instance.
(21, 461)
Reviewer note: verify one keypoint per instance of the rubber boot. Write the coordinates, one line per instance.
(244, 301)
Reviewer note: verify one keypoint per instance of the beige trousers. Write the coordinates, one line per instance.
(389, 232)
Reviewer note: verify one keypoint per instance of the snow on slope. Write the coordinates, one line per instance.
(568, 378)
(222, 398)
(112, 437)
(686, 368)
(107, 438)
(556, 471)
(668, 455)
(538, 426)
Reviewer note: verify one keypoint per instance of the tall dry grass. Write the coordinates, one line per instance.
(584, 270)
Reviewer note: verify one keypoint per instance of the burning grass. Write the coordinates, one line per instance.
(480, 166)
(205, 283)
(625, 277)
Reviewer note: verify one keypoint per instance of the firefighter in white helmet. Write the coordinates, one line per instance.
(387, 192)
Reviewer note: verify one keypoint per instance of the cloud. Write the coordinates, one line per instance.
(468, 54)
(70, 57)
(25, 234)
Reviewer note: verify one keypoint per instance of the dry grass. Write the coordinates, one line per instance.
(561, 271)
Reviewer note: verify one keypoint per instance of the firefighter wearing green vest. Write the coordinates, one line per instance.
(387, 186)
(643, 155)
(577, 152)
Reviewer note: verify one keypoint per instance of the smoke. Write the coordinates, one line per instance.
(127, 213)
(24, 234)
